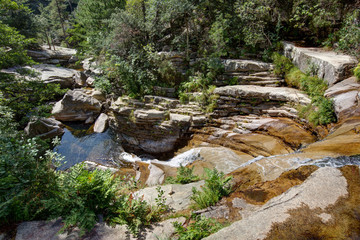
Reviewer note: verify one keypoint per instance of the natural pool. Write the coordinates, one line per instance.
(80, 143)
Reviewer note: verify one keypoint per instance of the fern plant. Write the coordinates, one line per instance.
(184, 175)
(216, 186)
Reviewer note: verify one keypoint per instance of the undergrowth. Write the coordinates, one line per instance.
(200, 228)
(320, 110)
(216, 186)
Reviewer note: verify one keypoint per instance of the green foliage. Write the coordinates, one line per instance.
(136, 213)
(82, 195)
(184, 175)
(282, 64)
(349, 34)
(357, 72)
(200, 228)
(321, 110)
(216, 186)
(12, 47)
(26, 176)
(28, 97)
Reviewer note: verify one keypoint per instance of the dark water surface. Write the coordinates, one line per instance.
(80, 143)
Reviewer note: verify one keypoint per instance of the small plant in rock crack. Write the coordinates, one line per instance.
(216, 186)
(184, 175)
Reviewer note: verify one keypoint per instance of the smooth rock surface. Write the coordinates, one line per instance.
(53, 74)
(322, 189)
(102, 123)
(328, 65)
(177, 195)
(76, 105)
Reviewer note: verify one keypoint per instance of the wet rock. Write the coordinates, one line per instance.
(76, 105)
(44, 128)
(177, 195)
(321, 190)
(90, 81)
(102, 123)
(328, 65)
(52, 74)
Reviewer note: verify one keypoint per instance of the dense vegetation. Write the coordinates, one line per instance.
(125, 36)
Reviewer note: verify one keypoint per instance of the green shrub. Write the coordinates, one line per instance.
(321, 110)
(357, 72)
(27, 98)
(216, 186)
(26, 176)
(282, 64)
(349, 34)
(184, 175)
(136, 213)
(199, 229)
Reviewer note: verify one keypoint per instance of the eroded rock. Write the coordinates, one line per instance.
(76, 105)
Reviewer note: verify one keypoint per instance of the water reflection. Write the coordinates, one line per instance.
(79, 143)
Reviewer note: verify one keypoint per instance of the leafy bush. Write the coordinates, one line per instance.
(199, 229)
(82, 196)
(216, 186)
(28, 97)
(184, 175)
(349, 34)
(26, 176)
(136, 212)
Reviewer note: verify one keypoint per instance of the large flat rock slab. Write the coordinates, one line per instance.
(281, 94)
(53, 74)
(328, 65)
(242, 65)
(321, 190)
